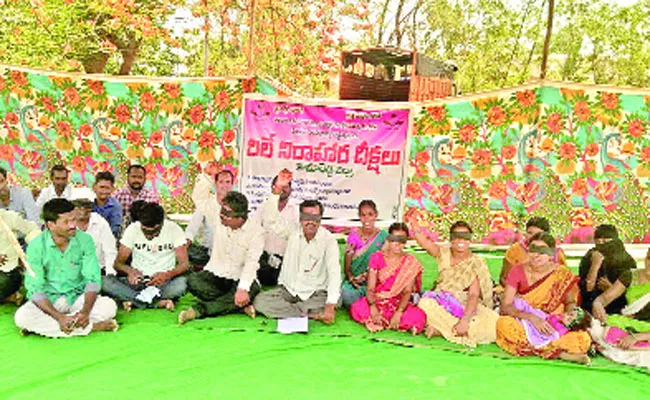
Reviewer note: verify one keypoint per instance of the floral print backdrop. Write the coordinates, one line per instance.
(578, 155)
(95, 124)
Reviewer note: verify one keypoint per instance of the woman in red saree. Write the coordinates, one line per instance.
(392, 276)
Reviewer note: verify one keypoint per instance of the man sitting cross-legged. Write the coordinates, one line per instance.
(159, 259)
(310, 278)
(227, 284)
(63, 293)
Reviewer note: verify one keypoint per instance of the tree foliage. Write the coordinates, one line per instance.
(93, 35)
(295, 41)
(495, 43)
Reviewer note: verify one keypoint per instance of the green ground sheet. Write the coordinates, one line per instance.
(235, 357)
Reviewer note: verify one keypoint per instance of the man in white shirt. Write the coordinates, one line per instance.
(199, 252)
(199, 238)
(310, 278)
(227, 284)
(159, 261)
(60, 188)
(96, 226)
(274, 244)
(18, 199)
(10, 276)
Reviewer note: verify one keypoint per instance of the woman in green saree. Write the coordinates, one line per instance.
(361, 244)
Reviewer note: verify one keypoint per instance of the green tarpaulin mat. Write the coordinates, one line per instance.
(234, 357)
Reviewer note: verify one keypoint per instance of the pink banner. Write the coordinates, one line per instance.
(339, 155)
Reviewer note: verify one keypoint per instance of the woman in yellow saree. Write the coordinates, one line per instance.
(459, 307)
(549, 287)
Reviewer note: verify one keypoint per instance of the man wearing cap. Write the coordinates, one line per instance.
(310, 278)
(97, 227)
(228, 283)
(605, 274)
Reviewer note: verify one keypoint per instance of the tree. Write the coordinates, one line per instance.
(295, 41)
(484, 38)
(603, 43)
(547, 38)
(399, 15)
(89, 34)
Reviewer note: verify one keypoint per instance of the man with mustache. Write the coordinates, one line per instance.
(228, 283)
(60, 188)
(64, 293)
(136, 178)
(18, 199)
(310, 279)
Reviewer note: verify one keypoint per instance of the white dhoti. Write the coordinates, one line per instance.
(33, 319)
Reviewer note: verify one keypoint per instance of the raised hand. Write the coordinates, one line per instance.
(283, 181)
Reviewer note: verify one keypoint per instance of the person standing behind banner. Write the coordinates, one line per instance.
(275, 245)
(64, 293)
(361, 244)
(310, 278)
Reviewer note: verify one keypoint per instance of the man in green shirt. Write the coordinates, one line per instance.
(63, 295)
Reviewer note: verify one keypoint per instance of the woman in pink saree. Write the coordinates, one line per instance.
(392, 276)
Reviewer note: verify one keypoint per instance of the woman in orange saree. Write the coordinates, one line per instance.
(549, 287)
(517, 253)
